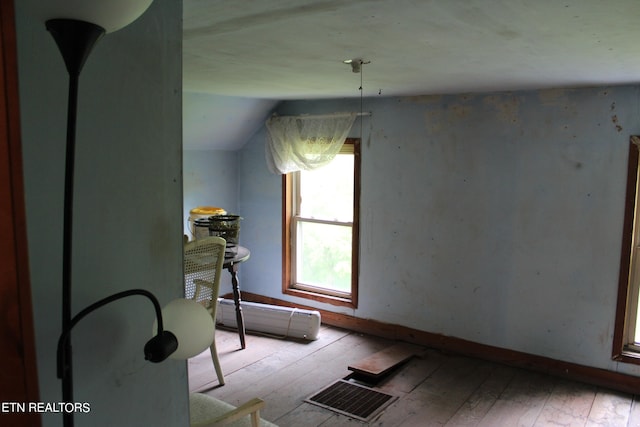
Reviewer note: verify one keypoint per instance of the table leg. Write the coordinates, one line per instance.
(236, 299)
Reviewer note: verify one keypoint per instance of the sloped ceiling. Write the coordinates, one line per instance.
(221, 122)
(293, 49)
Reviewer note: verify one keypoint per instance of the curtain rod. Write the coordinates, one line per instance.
(366, 113)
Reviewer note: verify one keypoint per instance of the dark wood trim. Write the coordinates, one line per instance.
(619, 343)
(18, 376)
(355, 236)
(287, 195)
(572, 371)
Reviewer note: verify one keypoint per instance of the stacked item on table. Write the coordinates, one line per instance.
(199, 220)
(227, 227)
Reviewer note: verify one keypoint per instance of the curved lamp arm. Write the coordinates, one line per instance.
(155, 350)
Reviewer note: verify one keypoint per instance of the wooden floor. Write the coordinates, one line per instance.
(433, 390)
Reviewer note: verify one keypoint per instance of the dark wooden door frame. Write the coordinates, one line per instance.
(18, 373)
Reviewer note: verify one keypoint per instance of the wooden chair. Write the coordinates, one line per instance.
(203, 260)
(208, 411)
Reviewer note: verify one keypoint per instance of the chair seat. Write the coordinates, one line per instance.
(204, 409)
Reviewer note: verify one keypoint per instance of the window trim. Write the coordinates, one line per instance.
(287, 223)
(621, 350)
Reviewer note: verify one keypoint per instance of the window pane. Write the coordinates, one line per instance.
(324, 256)
(327, 192)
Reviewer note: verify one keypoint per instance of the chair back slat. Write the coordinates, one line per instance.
(203, 260)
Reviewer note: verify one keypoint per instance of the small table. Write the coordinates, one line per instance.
(231, 263)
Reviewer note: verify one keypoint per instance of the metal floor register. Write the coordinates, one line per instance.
(353, 400)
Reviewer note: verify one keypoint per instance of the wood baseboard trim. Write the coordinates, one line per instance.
(572, 371)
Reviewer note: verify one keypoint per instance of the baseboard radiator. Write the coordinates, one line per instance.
(271, 319)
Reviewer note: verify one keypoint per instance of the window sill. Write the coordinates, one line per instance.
(628, 356)
(344, 302)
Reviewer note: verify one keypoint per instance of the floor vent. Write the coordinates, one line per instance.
(353, 400)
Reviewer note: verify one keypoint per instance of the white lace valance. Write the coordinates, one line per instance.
(305, 142)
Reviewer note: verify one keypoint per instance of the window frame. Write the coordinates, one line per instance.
(305, 291)
(624, 349)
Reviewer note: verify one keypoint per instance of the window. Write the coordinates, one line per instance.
(626, 345)
(320, 229)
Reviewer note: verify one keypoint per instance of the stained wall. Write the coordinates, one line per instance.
(491, 217)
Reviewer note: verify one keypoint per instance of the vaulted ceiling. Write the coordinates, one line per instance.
(294, 49)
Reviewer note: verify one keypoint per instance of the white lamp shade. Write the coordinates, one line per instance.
(191, 323)
(109, 14)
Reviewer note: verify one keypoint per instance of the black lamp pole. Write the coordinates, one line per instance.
(75, 40)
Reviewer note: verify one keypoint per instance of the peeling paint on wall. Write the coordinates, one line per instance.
(424, 99)
(507, 106)
(460, 111)
(614, 120)
(553, 96)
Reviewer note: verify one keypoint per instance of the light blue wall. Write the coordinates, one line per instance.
(128, 210)
(210, 180)
(211, 174)
(494, 218)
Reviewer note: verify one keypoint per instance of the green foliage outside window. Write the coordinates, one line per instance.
(324, 250)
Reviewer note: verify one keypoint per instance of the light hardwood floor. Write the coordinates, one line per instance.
(434, 390)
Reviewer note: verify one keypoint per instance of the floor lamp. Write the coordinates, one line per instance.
(76, 25)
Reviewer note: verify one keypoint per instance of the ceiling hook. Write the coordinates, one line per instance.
(356, 64)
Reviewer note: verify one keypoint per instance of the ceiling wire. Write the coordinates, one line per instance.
(356, 67)
(361, 70)
(361, 100)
